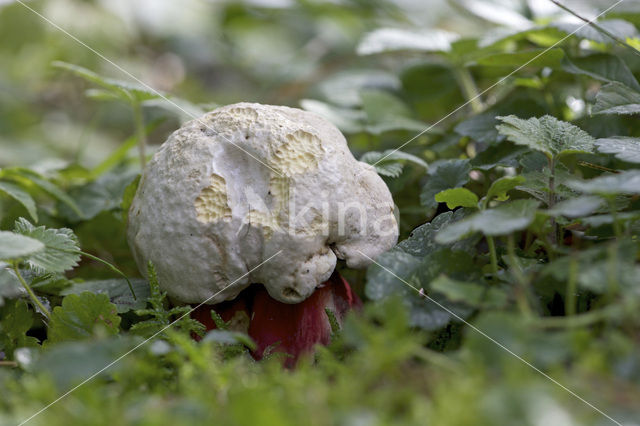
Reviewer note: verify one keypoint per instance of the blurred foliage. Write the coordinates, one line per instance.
(517, 185)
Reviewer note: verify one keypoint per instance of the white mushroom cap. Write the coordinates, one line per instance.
(229, 190)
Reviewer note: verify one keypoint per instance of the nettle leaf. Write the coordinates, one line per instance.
(627, 182)
(117, 290)
(546, 134)
(577, 207)
(61, 251)
(502, 220)
(624, 148)
(15, 246)
(457, 197)
(617, 98)
(422, 240)
(500, 187)
(445, 175)
(398, 39)
(80, 314)
(123, 90)
(503, 154)
(20, 195)
(392, 162)
(603, 67)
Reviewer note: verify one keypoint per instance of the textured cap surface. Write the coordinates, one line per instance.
(232, 188)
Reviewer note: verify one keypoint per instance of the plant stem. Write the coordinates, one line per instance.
(617, 230)
(32, 295)
(521, 293)
(492, 253)
(572, 287)
(551, 201)
(138, 118)
(469, 88)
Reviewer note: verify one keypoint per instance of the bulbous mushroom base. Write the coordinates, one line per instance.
(278, 327)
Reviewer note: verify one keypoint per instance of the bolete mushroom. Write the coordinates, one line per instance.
(229, 190)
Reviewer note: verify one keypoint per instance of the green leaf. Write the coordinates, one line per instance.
(617, 98)
(15, 246)
(16, 320)
(603, 67)
(500, 187)
(457, 197)
(576, 207)
(117, 290)
(422, 240)
(60, 251)
(80, 314)
(503, 154)
(622, 183)
(124, 90)
(538, 57)
(618, 27)
(445, 175)
(393, 162)
(624, 148)
(546, 134)
(385, 112)
(103, 194)
(472, 294)
(25, 175)
(21, 196)
(397, 39)
(346, 119)
(10, 286)
(502, 220)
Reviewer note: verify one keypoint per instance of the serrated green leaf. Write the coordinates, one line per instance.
(20, 195)
(500, 187)
(397, 39)
(546, 134)
(624, 148)
(622, 183)
(457, 197)
(15, 246)
(617, 98)
(80, 314)
(603, 67)
(502, 220)
(446, 175)
(60, 251)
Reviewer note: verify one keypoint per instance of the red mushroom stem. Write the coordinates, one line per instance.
(293, 329)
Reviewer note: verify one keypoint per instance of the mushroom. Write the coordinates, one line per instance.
(249, 182)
